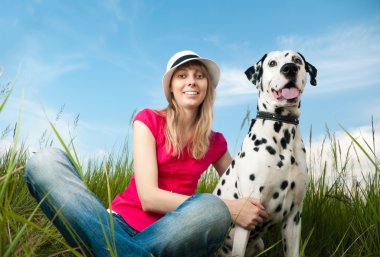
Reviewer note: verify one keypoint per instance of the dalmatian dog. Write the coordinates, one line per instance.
(271, 165)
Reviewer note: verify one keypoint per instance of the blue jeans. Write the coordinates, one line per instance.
(196, 228)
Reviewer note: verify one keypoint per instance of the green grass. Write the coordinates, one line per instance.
(339, 219)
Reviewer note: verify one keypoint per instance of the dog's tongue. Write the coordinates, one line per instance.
(290, 93)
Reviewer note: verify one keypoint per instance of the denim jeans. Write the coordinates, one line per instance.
(195, 228)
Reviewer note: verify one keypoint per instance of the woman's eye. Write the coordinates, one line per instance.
(200, 76)
(272, 63)
(181, 75)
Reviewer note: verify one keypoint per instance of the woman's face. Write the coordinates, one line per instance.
(189, 86)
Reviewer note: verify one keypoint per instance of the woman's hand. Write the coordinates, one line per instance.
(248, 212)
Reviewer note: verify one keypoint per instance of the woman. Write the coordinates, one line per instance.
(158, 213)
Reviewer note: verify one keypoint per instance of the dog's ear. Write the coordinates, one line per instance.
(311, 70)
(255, 72)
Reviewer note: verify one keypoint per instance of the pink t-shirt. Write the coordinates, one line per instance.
(176, 175)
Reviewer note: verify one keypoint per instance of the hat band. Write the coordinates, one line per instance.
(183, 58)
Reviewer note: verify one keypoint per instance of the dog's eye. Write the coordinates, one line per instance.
(272, 63)
(297, 60)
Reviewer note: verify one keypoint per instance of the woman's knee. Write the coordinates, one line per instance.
(216, 213)
(206, 212)
(41, 167)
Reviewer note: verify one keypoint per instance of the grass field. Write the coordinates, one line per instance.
(340, 217)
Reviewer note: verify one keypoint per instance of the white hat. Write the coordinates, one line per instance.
(183, 57)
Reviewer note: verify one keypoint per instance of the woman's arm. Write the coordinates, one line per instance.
(146, 173)
(222, 164)
(248, 212)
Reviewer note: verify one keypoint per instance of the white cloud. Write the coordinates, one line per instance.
(337, 152)
(234, 83)
(5, 144)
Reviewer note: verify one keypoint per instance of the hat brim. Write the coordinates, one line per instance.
(212, 68)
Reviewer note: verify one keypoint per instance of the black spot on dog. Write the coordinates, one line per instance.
(256, 149)
(274, 140)
(282, 157)
(275, 195)
(303, 149)
(259, 142)
(284, 213)
(233, 163)
(219, 192)
(252, 123)
(235, 184)
(242, 155)
(265, 106)
(292, 185)
(279, 207)
(292, 160)
(277, 126)
(292, 206)
(283, 143)
(284, 227)
(293, 132)
(252, 177)
(280, 164)
(236, 196)
(261, 189)
(253, 138)
(229, 247)
(284, 184)
(286, 54)
(297, 218)
(286, 139)
(271, 150)
(228, 171)
(223, 182)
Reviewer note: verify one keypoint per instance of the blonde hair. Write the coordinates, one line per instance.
(200, 142)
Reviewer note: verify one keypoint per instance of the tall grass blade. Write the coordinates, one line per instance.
(13, 158)
(376, 165)
(6, 98)
(65, 147)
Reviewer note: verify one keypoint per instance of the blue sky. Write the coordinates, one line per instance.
(103, 59)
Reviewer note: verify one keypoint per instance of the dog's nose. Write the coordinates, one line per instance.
(289, 69)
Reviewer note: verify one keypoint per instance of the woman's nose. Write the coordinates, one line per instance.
(190, 80)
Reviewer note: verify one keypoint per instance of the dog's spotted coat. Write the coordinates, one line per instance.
(271, 164)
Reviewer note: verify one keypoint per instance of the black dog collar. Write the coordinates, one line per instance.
(276, 117)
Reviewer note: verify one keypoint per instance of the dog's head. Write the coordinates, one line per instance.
(281, 77)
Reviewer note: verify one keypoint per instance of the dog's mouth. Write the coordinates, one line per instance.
(288, 92)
